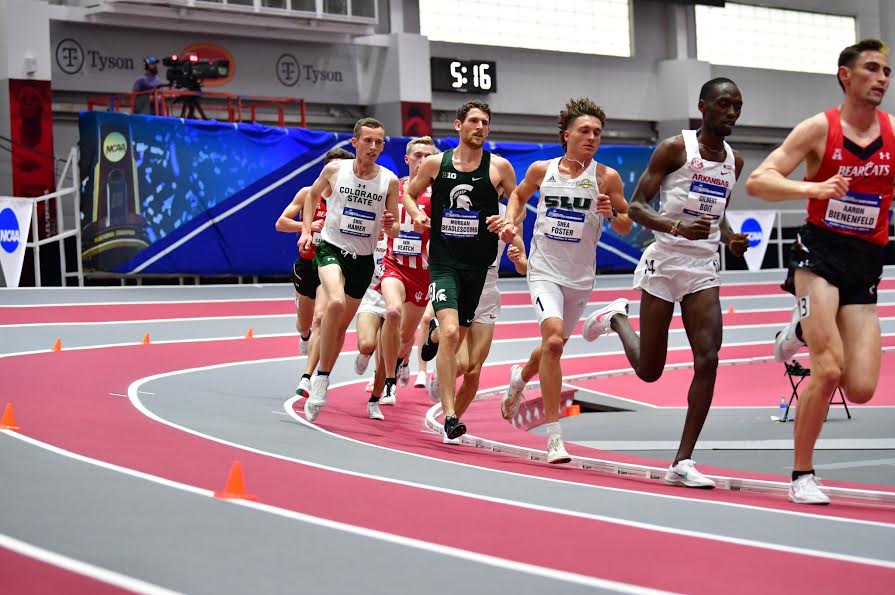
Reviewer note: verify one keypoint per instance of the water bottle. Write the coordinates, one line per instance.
(783, 407)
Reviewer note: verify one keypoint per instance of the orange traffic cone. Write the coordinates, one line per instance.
(235, 488)
(146, 339)
(573, 410)
(730, 310)
(57, 346)
(250, 334)
(8, 421)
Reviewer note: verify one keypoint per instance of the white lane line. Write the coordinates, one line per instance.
(103, 575)
(118, 395)
(470, 556)
(132, 392)
(772, 444)
(155, 302)
(854, 464)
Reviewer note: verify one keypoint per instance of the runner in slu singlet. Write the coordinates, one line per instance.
(466, 183)
(363, 202)
(694, 174)
(577, 195)
(837, 260)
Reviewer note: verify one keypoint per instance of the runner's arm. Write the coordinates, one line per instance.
(516, 253)
(390, 222)
(318, 188)
(286, 222)
(615, 190)
(422, 180)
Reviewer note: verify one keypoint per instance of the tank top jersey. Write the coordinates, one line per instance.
(354, 210)
(319, 215)
(379, 265)
(864, 211)
(698, 187)
(410, 250)
(568, 226)
(494, 267)
(461, 202)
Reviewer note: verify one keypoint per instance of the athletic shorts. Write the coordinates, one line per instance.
(372, 303)
(850, 264)
(456, 289)
(489, 305)
(357, 270)
(672, 276)
(305, 278)
(552, 300)
(415, 282)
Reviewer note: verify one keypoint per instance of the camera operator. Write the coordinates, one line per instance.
(149, 81)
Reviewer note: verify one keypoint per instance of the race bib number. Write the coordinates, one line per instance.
(853, 212)
(408, 243)
(357, 222)
(315, 238)
(563, 225)
(705, 199)
(459, 223)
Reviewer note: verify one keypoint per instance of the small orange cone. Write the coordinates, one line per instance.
(235, 488)
(573, 410)
(57, 346)
(8, 421)
(250, 334)
(146, 340)
(730, 310)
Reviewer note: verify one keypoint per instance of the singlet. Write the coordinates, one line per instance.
(564, 244)
(410, 250)
(354, 210)
(864, 211)
(698, 187)
(319, 215)
(378, 256)
(461, 202)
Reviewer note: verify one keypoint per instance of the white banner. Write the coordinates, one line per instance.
(15, 220)
(757, 225)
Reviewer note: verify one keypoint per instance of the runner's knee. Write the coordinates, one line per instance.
(859, 390)
(705, 362)
(553, 346)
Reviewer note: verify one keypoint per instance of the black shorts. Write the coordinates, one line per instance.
(305, 278)
(456, 289)
(851, 264)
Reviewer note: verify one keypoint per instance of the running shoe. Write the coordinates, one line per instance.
(430, 349)
(420, 381)
(556, 451)
(599, 322)
(317, 398)
(391, 394)
(512, 399)
(304, 345)
(403, 373)
(304, 387)
(373, 411)
(453, 427)
(806, 490)
(685, 474)
(361, 362)
(787, 343)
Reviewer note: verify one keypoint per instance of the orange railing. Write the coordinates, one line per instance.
(165, 102)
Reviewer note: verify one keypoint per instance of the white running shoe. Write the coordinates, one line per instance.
(403, 373)
(806, 490)
(373, 411)
(304, 387)
(420, 381)
(685, 474)
(556, 452)
(599, 322)
(311, 410)
(390, 396)
(787, 344)
(317, 398)
(446, 440)
(512, 399)
(304, 345)
(361, 362)
(434, 389)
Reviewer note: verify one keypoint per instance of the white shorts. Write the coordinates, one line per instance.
(552, 300)
(372, 303)
(672, 276)
(489, 305)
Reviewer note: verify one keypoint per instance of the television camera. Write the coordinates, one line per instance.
(187, 73)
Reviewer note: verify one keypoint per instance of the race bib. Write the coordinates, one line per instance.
(315, 239)
(357, 222)
(705, 199)
(459, 223)
(408, 243)
(563, 225)
(853, 212)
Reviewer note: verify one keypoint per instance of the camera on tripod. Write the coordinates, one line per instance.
(188, 72)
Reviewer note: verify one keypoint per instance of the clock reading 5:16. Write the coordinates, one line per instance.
(481, 79)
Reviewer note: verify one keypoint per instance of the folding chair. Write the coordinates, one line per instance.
(796, 373)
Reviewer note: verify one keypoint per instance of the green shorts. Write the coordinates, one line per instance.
(456, 289)
(357, 270)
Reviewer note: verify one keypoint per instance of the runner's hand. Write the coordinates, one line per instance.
(305, 241)
(388, 219)
(696, 230)
(832, 188)
(421, 223)
(317, 226)
(514, 254)
(604, 206)
(738, 243)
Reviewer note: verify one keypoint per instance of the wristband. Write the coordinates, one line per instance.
(675, 228)
(614, 215)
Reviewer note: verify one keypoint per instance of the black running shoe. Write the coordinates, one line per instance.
(430, 349)
(453, 427)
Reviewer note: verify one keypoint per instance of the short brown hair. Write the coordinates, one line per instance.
(366, 123)
(848, 56)
(337, 153)
(420, 140)
(478, 104)
(575, 108)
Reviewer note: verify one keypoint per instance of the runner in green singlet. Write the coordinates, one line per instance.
(466, 185)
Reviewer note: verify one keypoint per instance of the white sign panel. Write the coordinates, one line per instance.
(757, 225)
(15, 219)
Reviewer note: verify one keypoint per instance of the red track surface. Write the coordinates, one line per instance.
(90, 422)
(25, 576)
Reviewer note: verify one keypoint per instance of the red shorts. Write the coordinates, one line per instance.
(415, 281)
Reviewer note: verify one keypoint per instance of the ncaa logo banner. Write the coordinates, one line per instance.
(15, 219)
(757, 226)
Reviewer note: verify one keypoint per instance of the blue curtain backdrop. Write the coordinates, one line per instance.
(166, 196)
